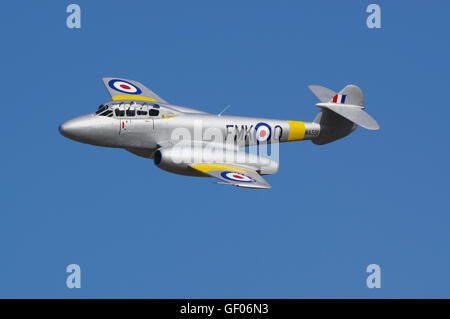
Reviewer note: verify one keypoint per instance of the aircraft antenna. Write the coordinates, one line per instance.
(226, 108)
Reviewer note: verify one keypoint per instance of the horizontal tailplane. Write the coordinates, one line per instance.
(340, 113)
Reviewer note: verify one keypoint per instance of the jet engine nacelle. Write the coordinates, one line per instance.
(177, 159)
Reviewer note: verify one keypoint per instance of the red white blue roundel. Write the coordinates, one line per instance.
(262, 132)
(236, 177)
(124, 87)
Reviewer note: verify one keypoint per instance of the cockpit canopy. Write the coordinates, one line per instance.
(103, 110)
(131, 109)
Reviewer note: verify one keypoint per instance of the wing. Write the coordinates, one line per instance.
(232, 174)
(123, 89)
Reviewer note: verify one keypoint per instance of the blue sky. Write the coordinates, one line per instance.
(139, 232)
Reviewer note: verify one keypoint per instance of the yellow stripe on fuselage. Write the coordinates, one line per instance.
(218, 167)
(133, 97)
(296, 130)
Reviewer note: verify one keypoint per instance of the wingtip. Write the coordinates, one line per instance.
(253, 186)
(372, 127)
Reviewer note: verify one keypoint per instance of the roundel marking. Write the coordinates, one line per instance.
(237, 177)
(124, 87)
(263, 132)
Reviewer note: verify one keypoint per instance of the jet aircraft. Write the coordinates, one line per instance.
(191, 142)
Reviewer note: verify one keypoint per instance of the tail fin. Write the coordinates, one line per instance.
(341, 113)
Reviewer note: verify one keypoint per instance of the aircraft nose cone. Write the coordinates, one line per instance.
(91, 129)
(62, 129)
(77, 129)
(69, 128)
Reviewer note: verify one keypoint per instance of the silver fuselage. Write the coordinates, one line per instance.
(143, 134)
